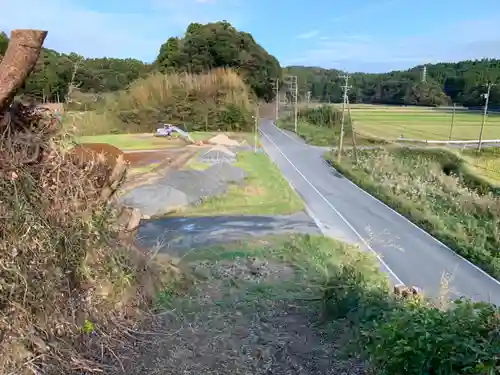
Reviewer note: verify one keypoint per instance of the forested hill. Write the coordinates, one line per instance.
(201, 48)
(462, 82)
(219, 44)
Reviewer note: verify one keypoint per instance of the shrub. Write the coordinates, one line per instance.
(413, 337)
(325, 115)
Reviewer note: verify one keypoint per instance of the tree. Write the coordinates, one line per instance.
(216, 45)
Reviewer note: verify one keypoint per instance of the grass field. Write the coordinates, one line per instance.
(146, 141)
(391, 122)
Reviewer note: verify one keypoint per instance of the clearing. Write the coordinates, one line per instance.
(254, 307)
(392, 122)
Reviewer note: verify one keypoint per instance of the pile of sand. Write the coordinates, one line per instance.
(224, 140)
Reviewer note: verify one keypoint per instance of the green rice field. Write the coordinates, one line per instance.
(392, 122)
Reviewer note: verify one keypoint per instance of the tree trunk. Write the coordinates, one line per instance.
(19, 60)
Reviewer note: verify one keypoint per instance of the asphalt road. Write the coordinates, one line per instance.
(344, 211)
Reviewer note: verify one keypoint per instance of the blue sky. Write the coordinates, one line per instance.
(365, 35)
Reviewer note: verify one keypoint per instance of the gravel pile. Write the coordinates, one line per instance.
(155, 199)
(181, 188)
(218, 154)
(227, 173)
(195, 184)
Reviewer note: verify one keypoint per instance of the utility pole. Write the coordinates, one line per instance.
(346, 88)
(353, 133)
(485, 114)
(295, 90)
(452, 119)
(277, 98)
(256, 127)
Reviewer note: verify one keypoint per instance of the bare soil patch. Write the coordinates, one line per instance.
(172, 159)
(244, 316)
(140, 159)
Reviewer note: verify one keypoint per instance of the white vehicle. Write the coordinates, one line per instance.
(168, 129)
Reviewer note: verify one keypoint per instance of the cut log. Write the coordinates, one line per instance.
(19, 60)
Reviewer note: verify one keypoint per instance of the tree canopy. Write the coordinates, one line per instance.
(463, 83)
(216, 45)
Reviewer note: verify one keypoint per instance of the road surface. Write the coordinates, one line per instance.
(344, 211)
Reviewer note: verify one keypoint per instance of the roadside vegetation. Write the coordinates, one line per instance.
(437, 190)
(321, 126)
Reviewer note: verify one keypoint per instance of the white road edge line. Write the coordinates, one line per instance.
(416, 226)
(393, 274)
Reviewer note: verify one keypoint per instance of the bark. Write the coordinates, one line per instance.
(19, 60)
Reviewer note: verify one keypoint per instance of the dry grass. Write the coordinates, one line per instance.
(218, 100)
(69, 289)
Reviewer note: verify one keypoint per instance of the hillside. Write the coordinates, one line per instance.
(461, 82)
(200, 49)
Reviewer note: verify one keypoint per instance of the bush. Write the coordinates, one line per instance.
(325, 115)
(413, 337)
(218, 100)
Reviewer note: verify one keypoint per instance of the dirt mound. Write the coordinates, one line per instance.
(224, 140)
(87, 152)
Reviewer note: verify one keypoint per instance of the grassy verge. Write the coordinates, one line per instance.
(486, 163)
(459, 208)
(265, 192)
(267, 297)
(325, 136)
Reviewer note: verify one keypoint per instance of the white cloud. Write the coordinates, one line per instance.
(74, 28)
(308, 35)
(459, 41)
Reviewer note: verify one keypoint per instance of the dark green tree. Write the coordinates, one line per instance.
(219, 44)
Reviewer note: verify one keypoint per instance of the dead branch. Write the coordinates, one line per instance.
(19, 60)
